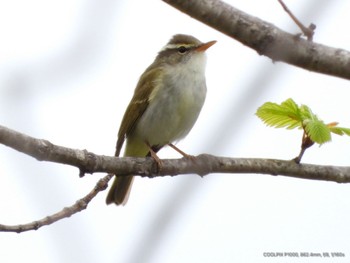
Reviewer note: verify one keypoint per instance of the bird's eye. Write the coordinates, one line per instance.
(182, 49)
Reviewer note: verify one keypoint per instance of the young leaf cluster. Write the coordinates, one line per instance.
(290, 115)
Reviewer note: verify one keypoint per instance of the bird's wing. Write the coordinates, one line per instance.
(149, 81)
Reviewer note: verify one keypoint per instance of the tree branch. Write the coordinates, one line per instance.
(203, 164)
(266, 38)
(79, 205)
(307, 31)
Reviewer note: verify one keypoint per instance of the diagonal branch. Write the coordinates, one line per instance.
(307, 31)
(78, 206)
(203, 164)
(266, 38)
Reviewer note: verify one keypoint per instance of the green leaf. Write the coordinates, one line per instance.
(306, 113)
(289, 115)
(317, 130)
(285, 115)
(340, 130)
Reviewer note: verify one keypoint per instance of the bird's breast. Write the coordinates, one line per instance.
(174, 107)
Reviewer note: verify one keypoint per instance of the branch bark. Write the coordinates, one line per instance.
(78, 206)
(259, 35)
(88, 162)
(203, 164)
(267, 39)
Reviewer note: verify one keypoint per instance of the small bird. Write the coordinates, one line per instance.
(166, 103)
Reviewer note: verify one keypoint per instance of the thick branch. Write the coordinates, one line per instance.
(266, 38)
(203, 164)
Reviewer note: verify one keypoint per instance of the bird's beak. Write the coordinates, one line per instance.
(205, 46)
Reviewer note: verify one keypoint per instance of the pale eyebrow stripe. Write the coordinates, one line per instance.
(174, 46)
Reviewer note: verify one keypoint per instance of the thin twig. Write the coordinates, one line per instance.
(307, 31)
(78, 206)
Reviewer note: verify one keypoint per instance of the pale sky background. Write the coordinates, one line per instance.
(68, 69)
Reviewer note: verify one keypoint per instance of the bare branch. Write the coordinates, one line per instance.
(146, 167)
(79, 205)
(203, 164)
(307, 31)
(266, 38)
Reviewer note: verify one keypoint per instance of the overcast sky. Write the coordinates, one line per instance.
(68, 69)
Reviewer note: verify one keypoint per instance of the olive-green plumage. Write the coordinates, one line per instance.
(166, 103)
